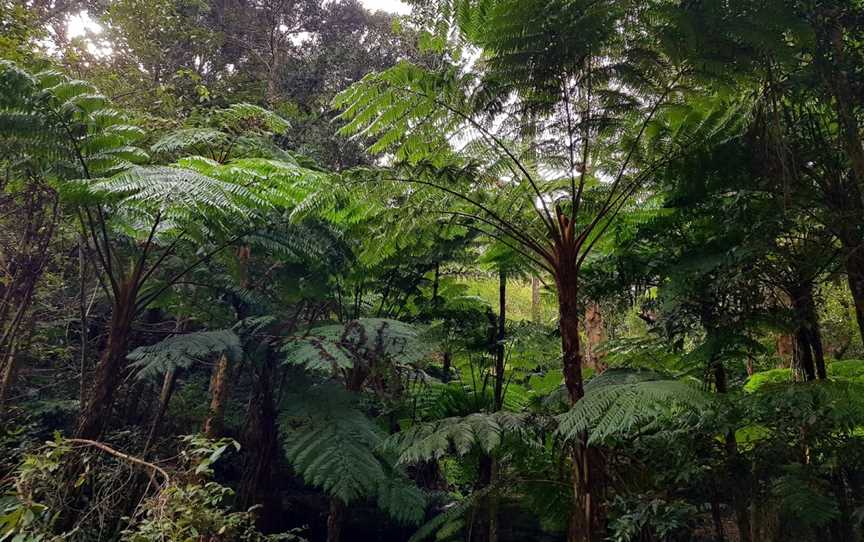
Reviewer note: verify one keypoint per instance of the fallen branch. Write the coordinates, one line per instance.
(121, 455)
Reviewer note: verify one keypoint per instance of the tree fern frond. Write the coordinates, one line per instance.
(620, 400)
(182, 351)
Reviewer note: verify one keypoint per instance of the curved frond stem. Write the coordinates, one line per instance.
(503, 225)
(496, 236)
(550, 223)
(654, 108)
(149, 298)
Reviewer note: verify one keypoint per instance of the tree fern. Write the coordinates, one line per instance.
(483, 431)
(620, 400)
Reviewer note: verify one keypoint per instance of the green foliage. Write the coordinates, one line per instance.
(333, 445)
(183, 351)
(199, 508)
(620, 400)
(432, 440)
(364, 341)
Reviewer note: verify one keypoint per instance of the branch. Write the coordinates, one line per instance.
(126, 457)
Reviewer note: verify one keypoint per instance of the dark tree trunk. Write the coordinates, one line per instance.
(855, 276)
(168, 383)
(336, 519)
(261, 448)
(219, 389)
(811, 358)
(481, 517)
(499, 343)
(109, 369)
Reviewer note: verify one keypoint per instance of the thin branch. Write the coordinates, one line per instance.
(126, 457)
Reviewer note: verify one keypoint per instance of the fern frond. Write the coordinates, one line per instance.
(183, 351)
(620, 400)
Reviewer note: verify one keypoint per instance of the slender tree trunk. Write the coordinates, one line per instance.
(168, 383)
(110, 367)
(219, 389)
(8, 370)
(536, 308)
(82, 315)
(499, 343)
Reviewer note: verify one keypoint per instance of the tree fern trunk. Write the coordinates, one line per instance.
(855, 276)
(587, 523)
(110, 367)
(260, 442)
(336, 519)
(213, 424)
(737, 467)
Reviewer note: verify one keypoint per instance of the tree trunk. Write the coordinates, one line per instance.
(499, 343)
(587, 523)
(536, 308)
(482, 518)
(109, 369)
(336, 519)
(164, 398)
(595, 333)
(855, 276)
(8, 370)
(261, 447)
(811, 358)
(214, 423)
(737, 467)
(785, 349)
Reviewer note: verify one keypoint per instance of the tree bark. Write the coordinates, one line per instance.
(587, 523)
(536, 308)
(261, 447)
(219, 389)
(8, 370)
(164, 398)
(736, 465)
(595, 334)
(108, 371)
(855, 277)
(336, 519)
(499, 343)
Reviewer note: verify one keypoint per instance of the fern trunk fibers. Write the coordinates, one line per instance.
(595, 334)
(587, 522)
(110, 367)
(214, 423)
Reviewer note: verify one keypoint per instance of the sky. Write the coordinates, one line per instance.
(393, 6)
(78, 24)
